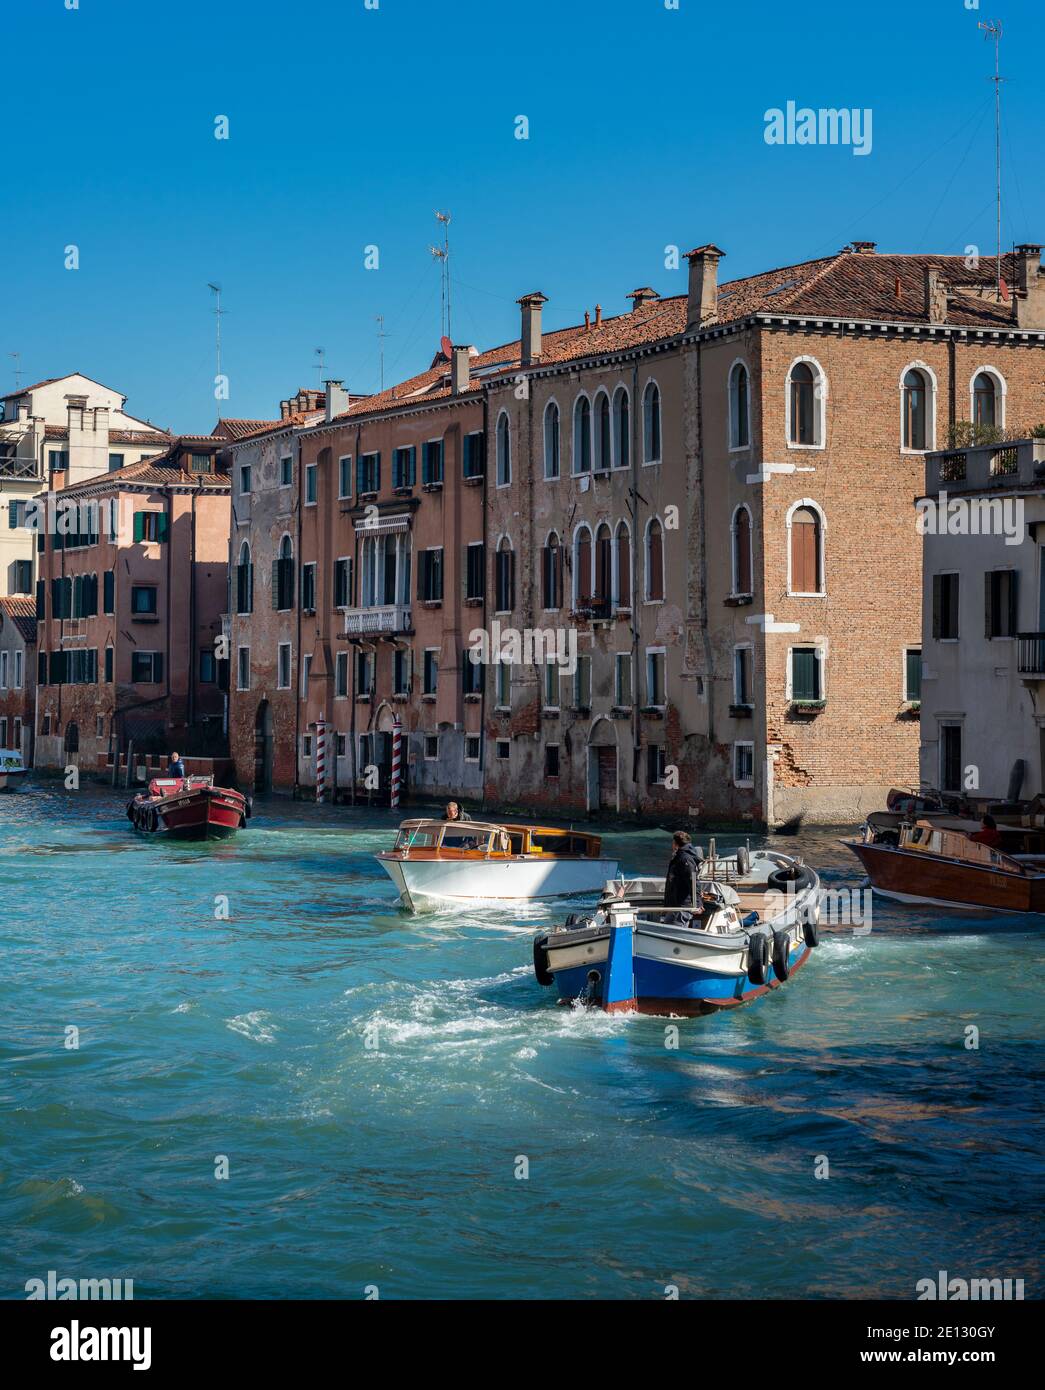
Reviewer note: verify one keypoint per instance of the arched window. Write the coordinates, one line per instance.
(504, 451)
(602, 592)
(654, 561)
(621, 429)
(551, 440)
(603, 438)
(283, 576)
(504, 576)
(739, 419)
(244, 581)
(806, 545)
(582, 436)
(804, 424)
(742, 551)
(985, 409)
(582, 585)
(651, 423)
(622, 565)
(551, 572)
(916, 398)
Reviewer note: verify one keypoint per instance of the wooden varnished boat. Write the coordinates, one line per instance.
(188, 808)
(933, 860)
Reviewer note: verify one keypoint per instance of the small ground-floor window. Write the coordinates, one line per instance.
(551, 760)
(744, 764)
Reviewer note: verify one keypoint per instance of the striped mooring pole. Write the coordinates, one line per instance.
(397, 756)
(321, 758)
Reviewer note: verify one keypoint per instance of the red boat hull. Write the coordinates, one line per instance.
(199, 813)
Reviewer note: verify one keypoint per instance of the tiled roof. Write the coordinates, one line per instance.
(295, 419)
(22, 612)
(155, 471)
(239, 429)
(154, 436)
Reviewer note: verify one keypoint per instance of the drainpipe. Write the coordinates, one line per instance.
(702, 609)
(353, 650)
(192, 616)
(952, 403)
(636, 729)
(297, 608)
(482, 695)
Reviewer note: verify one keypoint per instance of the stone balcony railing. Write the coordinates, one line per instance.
(1016, 465)
(365, 622)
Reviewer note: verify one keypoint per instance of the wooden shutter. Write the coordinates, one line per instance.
(139, 527)
(275, 584)
(162, 521)
(41, 598)
(1014, 603)
(937, 605)
(656, 563)
(157, 667)
(743, 553)
(804, 557)
(109, 591)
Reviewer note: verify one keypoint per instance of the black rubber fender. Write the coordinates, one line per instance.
(540, 960)
(131, 808)
(794, 879)
(811, 931)
(151, 819)
(248, 807)
(781, 954)
(757, 958)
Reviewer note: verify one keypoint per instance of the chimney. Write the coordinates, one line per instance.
(641, 297)
(587, 320)
(460, 364)
(531, 327)
(935, 295)
(598, 315)
(864, 248)
(1030, 304)
(703, 285)
(338, 399)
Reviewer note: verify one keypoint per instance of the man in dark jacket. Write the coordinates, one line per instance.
(175, 768)
(454, 812)
(683, 868)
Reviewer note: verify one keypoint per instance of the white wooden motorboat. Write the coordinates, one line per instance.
(13, 770)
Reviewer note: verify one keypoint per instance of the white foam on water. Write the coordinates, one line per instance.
(254, 1026)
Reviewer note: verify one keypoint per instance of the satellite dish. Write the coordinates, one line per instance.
(446, 347)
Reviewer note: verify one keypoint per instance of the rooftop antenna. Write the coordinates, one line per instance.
(321, 365)
(993, 30)
(442, 254)
(381, 336)
(18, 369)
(218, 313)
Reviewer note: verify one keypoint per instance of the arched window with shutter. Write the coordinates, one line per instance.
(603, 435)
(806, 401)
(622, 565)
(739, 416)
(244, 581)
(582, 579)
(603, 586)
(654, 561)
(283, 576)
(916, 398)
(504, 450)
(504, 576)
(988, 398)
(582, 435)
(742, 583)
(805, 549)
(621, 428)
(551, 573)
(651, 436)
(551, 440)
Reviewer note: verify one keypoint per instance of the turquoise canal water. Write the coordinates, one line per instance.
(396, 1166)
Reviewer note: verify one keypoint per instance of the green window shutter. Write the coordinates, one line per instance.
(109, 591)
(41, 668)
(161, 527)
(803, 674)
(275, 584)
(139, 526)
(41, 598)
(157, 667)
(108, 665)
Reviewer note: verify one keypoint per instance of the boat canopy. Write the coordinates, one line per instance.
(470, 836)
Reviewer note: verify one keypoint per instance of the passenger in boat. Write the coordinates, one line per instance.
(175, 768)
(454, 812)
(989, 834)
(683, 867)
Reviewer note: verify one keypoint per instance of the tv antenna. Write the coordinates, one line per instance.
(320, 365)
(442, 255)
(993, 30)
(218, 311)
(379, 319)
(18, 369)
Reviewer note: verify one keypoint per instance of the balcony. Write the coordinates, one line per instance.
(376, 622)
(1031, 654)
(25, 469)
(1011, 465)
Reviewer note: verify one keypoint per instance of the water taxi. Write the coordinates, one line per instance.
(188, 808)
(436, 863)
(13, 771)
(933, 859)
(752, 922)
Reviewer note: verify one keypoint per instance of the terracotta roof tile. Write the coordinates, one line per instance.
(22, 612)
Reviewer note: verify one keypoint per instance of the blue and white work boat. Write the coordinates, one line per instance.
(752, 922)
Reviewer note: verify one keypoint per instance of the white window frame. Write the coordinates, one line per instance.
(618, 657)
(551, 405)
(575, 569)
(503, 666)
(287, 684)
(19, 670)
(905, 651)
(434, 651)
(575, 425)
(596, 440)
(737, 692)
(652, 382)
(822, 555)
(734, 447)
(286, 458)
(734, 591)
(654, 704)
(549, 667)
(479, 742)
(820, 647)
(306, 674)
(619, 391)
(343, 459)
(646, 565)
(820, 393)
(930, 407)
(430, 757)
(312, 471)
(1000, 394)
(498, 745)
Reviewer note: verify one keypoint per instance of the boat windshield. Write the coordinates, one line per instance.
(465, 837)
(416, 837)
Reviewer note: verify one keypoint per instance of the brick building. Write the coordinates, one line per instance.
(17, 675)
(133, 584)
(775, 630)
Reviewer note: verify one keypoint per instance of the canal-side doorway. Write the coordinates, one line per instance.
(263, 749)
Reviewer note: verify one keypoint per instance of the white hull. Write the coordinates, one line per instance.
(434, 883)
(11, 781)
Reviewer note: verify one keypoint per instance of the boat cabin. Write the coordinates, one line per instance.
(472, 839)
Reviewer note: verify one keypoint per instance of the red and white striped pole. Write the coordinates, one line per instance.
(397, 756)
(321, 757)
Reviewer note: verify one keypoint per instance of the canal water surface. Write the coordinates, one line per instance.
(400, 1106)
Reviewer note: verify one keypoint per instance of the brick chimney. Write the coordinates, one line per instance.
(641, 297)
(935, 295)
(864, 248)
(337, 399)
(703, 285)
(460, 364)
(531, 327)
(1030, 284)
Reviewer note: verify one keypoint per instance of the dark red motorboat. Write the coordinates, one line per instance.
(188, 808)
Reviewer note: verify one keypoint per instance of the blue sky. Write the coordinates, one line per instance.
(348, 127)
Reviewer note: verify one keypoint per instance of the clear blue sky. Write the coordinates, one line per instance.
(350, 126)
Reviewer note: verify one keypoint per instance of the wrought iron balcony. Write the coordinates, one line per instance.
(366, 622)
(1031, 655)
